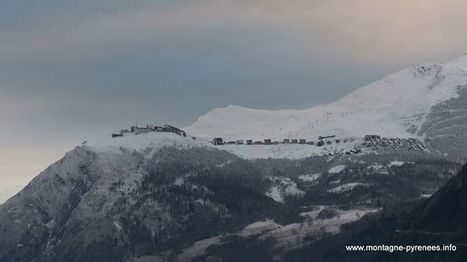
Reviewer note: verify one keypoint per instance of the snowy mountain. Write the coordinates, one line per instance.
(165, 197)
(159, 196)
(399, 105)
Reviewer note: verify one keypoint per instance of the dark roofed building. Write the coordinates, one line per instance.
(218, 141)
(372, 137)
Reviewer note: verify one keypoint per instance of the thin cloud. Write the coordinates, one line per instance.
(361, 31)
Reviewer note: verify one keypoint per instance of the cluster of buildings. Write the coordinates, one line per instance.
(369, 141)
(151, 128)
(322, 140)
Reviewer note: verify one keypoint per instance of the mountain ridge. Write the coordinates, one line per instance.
(157, 194)
(395, 106)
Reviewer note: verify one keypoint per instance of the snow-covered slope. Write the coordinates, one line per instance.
(157, 193)
(143, 142)
(395, 106)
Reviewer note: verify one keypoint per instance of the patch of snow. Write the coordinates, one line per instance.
(259, 224)
(379, 169)
(309, 178)
(396, 163)
(179, 181)
(259, 227)
(282, 187)
(118, 226)
(199, 247)
(336, 169)
(425, 195)
(293, 191)
(224, 164)
(335, 182)
(313, 213)
(201, 201)
(287, 236)
(293, 235)
(50, 224)
(345, 187)
(275, 193)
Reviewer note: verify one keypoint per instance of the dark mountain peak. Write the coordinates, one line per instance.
(446, 210)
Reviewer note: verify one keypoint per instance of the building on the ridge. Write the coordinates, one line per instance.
(142, 130)
(152, 128)
(372, 137)
(158, 128)
(172, 129)
(294, 141)
(249, 142)
(302, 141)
(218, 141)
(267, 141)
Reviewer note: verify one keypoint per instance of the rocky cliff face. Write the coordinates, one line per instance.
(45, 205)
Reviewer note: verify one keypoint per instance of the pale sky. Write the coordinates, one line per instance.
(78, 70)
